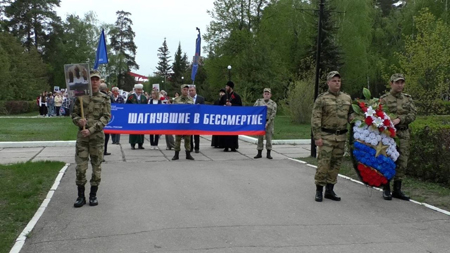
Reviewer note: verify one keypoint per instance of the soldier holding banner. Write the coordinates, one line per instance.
(91, 114)
(271, 113)
(183, 99)
(137, 98)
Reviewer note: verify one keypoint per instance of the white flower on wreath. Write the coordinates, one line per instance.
(370, 112)
(377, 121)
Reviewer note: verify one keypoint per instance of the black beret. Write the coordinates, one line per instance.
(222, 90)
(231, 84)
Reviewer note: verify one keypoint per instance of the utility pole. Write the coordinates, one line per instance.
(316, 87)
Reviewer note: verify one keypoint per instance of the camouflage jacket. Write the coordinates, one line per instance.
(271, 109)
(400, 104)
(133, 99)
(183, 100)
(97, 111)
(330, 111)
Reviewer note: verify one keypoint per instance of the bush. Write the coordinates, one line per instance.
(17, 107)
(435, 107)
(430, 149)
(299, 103)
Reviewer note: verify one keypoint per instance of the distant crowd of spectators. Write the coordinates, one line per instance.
(53, 104)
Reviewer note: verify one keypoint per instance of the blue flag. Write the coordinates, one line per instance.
(198, 42)
(102, 55)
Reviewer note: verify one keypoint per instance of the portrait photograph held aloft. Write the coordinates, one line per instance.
(77, 79)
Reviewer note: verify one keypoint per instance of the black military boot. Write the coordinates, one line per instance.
(93, 196)
(81, 200)
(397, 193)
(268, 155)
(329, 193)
(188, 155)
(259, 155)
(387, 192)
(319, 193)
(176, 156)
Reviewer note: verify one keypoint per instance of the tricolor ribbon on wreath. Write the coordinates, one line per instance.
(373, 147)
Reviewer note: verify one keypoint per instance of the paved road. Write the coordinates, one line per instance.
(227, 202)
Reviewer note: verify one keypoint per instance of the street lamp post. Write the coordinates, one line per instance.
(229, 72)
(182, 80)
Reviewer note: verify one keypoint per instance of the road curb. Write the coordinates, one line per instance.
(33, 144)
(276, 142)
(434, 208)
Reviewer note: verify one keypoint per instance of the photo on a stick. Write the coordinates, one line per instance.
(78, 82)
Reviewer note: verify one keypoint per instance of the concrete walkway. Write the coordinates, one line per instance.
(65, 151)
(223, 202)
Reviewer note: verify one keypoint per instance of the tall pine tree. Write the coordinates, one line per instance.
(164, 67)
(179, 66)
(32, 20)
(122, 43)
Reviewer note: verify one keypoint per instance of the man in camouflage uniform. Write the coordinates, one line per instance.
(330, 115)
(271, 113)
(184, 98)
(90, 139)
(402, 105)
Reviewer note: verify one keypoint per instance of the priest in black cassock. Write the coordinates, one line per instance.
(230, 98)
(137, 98)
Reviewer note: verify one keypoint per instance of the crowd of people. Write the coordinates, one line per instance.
(226, 97)
(92, 142)
(53, 104)
(330, 117)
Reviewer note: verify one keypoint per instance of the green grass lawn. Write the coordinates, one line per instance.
(23, 187)
(37, 129)
(285, 129)
(430, 193)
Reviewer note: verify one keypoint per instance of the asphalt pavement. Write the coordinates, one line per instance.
(222, 202)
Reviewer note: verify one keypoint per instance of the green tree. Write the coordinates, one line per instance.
(354, 38)
(23, 74)
(32, 20)
(164, 67)
(179, 66)
(122, 42)
(426, 61)
(75, 42)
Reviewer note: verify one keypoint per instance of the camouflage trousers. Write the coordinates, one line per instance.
(403, 149)
(89, 147)
(269, 134)
(187, 142)
(329, 162)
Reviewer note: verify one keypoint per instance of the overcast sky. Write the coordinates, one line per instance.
(153, 20)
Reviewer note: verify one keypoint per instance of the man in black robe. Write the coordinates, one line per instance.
(230, 98)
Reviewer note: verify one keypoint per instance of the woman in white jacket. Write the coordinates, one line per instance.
(58, 102)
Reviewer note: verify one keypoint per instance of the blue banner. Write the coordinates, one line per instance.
(182, 119)
(196, 57)
(102, 53)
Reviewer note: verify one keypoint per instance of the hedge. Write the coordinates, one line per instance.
(429, 158)
(17, 107)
